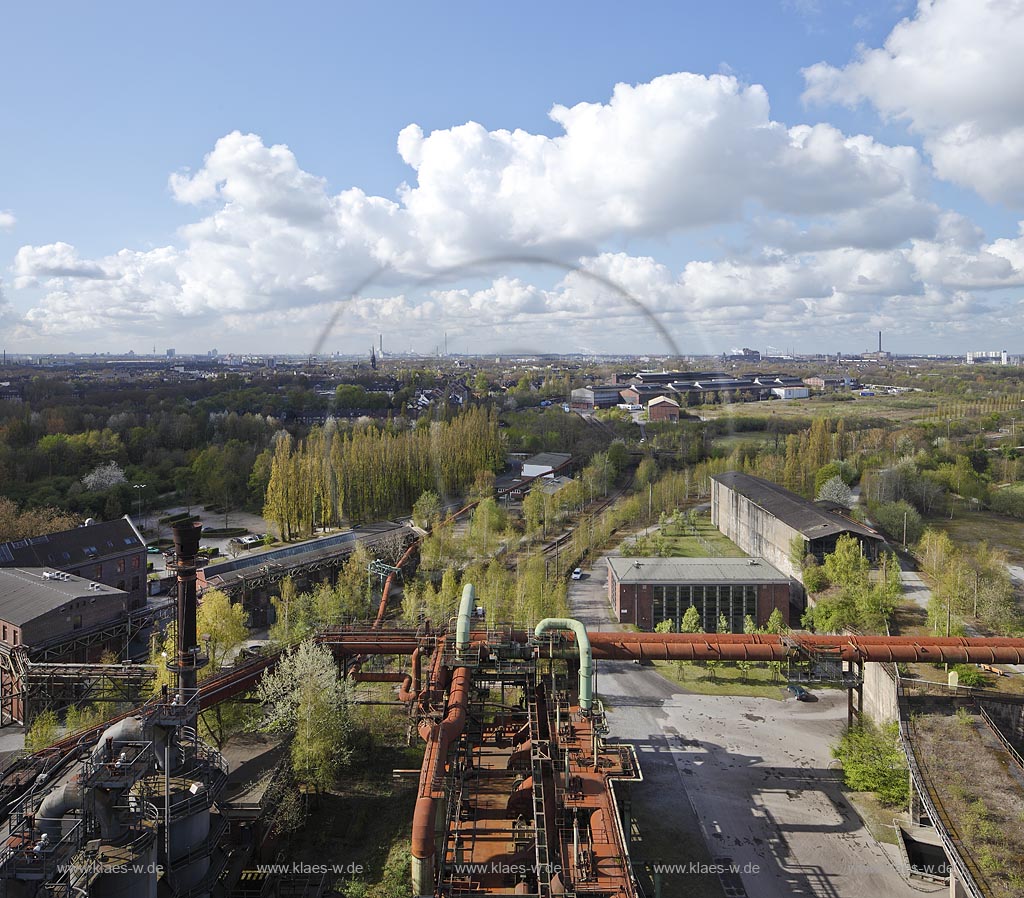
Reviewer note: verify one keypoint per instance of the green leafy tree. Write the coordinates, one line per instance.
(690, 622)
(776, 625)
(873, 761)
(847, 564)
(890, 517)
(306, 701)
(426, 511)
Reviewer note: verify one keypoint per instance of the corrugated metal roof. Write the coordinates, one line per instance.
(548, 459)
(26, 594)
(695, 570)
(801, 514)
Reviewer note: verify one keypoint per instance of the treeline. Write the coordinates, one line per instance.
(521, 596)
(968, 582)
(370, 473)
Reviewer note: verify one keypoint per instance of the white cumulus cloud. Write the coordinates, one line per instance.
(953, 72)
(837, 225)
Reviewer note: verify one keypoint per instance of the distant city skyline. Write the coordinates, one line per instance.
(527, 179)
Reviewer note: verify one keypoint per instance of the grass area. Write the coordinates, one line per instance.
(726, 679)
(732, 440)
(907, 407)
(676, 540)
(999, 531)
(367, 821)
(877, 817)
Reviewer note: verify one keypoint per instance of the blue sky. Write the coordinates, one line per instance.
(100, 106)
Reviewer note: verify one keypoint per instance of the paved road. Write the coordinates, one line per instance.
(748, 775)
(915, 589)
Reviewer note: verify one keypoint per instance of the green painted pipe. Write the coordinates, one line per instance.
(586, 659)
(466, 607)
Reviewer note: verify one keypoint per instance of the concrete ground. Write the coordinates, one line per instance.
(750, 776)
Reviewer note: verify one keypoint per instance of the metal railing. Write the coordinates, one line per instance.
(933, 806)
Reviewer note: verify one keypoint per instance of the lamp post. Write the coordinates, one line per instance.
(140, 487)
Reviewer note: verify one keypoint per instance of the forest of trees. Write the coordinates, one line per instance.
(369, 474)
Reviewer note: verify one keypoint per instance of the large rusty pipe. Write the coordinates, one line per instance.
(431, 788)
(410, 687)
(762, 647)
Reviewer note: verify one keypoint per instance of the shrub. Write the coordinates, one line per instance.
(815, 578)
(873, 761)
(969, 675)
(889, 517)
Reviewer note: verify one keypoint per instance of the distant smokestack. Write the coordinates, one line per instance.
(879, 341)
(381, 343)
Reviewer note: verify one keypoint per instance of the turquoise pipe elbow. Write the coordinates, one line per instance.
(586, 658)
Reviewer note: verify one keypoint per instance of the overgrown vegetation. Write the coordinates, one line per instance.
(873, 761)
(846, 596)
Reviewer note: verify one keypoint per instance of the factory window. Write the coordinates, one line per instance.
(120, 565)
(15, 637)
(136, 563)
(733, 601)
(135, 583)
(99, 572)
(76, 622)
(5, 633)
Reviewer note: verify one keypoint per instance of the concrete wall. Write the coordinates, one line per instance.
(752, 528)
(1009, 717)
(880, 702)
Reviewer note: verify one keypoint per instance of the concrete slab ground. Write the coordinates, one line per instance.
(751, 776)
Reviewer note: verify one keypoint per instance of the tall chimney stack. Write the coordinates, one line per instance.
(879, 342)
(187, 658)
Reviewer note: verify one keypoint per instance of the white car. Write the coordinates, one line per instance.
(577, 574)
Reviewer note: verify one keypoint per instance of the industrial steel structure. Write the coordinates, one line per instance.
(520, 791)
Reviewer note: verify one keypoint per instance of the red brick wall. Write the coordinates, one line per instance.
(769, 597)
(633, 603)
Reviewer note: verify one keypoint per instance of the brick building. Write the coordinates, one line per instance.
(113, 553)
(663, 409)
(646, 591)
(40, 606)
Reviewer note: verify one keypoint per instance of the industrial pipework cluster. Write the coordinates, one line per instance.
(134, 810)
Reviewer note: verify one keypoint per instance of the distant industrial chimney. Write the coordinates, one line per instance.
(879, 341)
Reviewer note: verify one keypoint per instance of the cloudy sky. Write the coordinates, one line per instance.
(549, 177)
